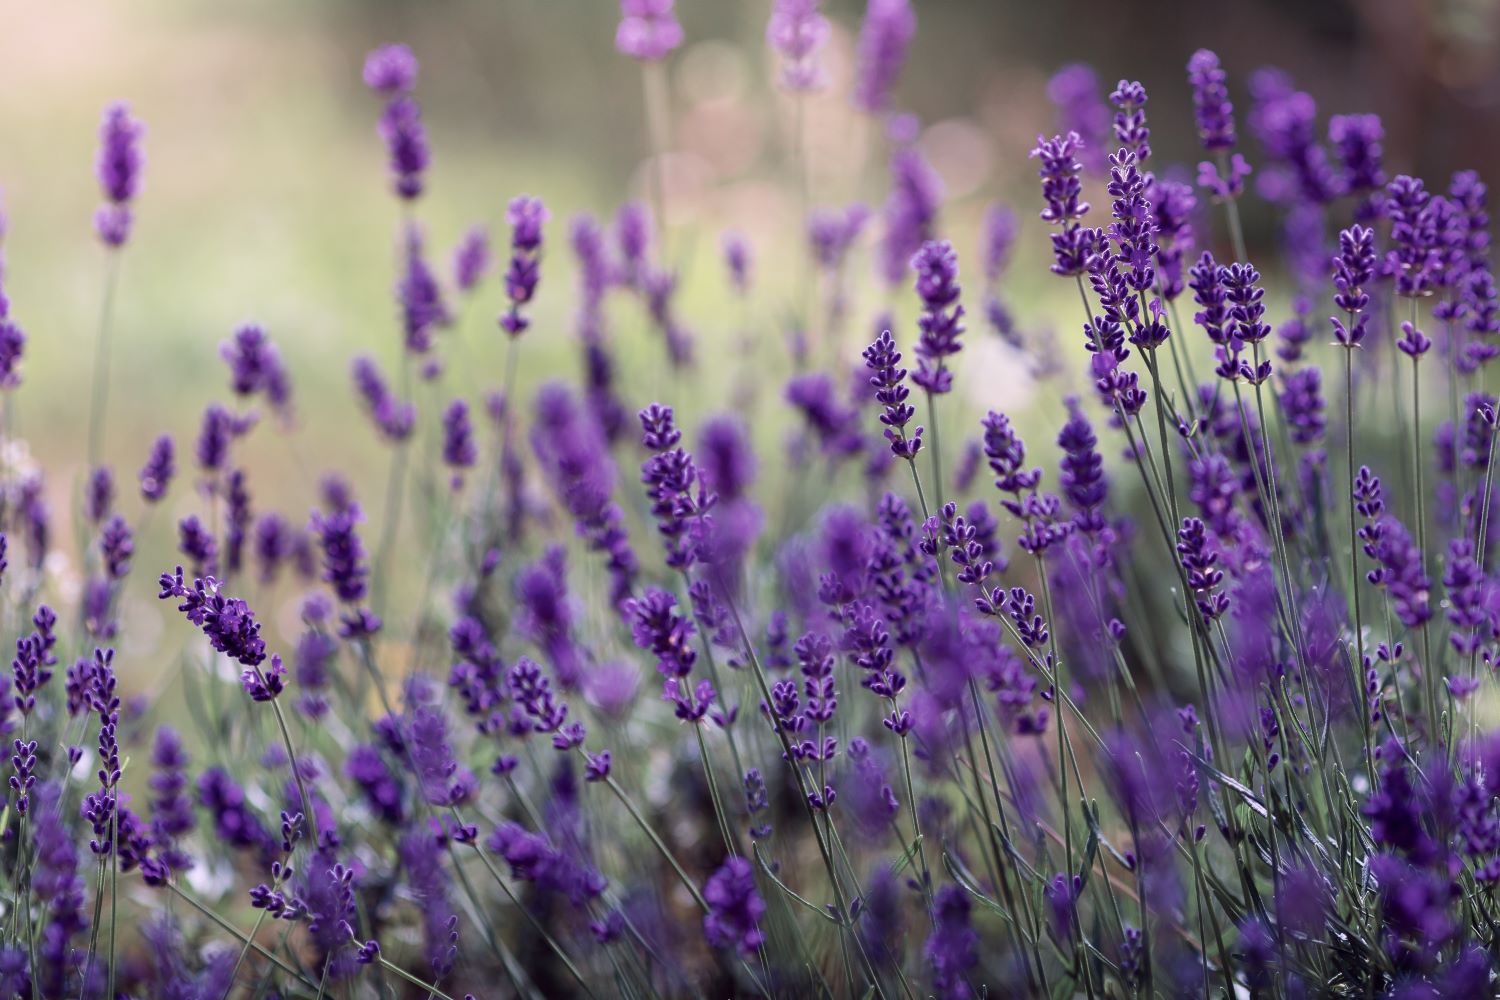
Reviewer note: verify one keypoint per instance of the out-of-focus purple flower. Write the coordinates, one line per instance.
(533, 858)
(1358, 141)
(156, 474)
(1399, 567)
(393, 418)
(1302, 405)
(1173, 204)
(390, 70)
(116, 547)
(734, 907)
(99, 496)
(255, 365)
(836, 425)
(1284, 119)
(406, 142)
(217, 432)
(418, 295)
(1077, 98)
(444, 782)
(910, 211)
(12, 342)
(1414, 257)
(648, 29)
(459, 452)
(471, 258)
(797, 32)
(526, 216)
(119, 170)
(884, 37)
(198, 546)
(737, 261)
(575, 458)
(1081, 471)
(941, 321)
(343, 553)
(832, 232)
(1211, 106)
(952, 947)
(999, 236)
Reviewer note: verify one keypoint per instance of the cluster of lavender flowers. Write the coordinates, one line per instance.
(1200, 710)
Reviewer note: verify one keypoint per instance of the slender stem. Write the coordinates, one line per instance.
(99, 399)
(1359, 628)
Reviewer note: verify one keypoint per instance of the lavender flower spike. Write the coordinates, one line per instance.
(119, 170)
(888, 29)
(391, 70)
(406, 141)
(1063, 191)
(1211, 105)
(526, 215)
(648, 30)
(941, 322)
(891, 392)
(797, 31)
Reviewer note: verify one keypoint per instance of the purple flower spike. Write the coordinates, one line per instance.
(1211, 106)
(459, 452)
(526, 215)
(119, 170)
(471, 259)
(391, 70)
(797, 31)
(891, 392)
(1200, 560)
(648, 30)
(1353, 269)
(1413, 342)
(418, 295)
(941, 321)
(406, 141)
(734, 907)
(884, 37)
(1062, 189)
(1075, 92)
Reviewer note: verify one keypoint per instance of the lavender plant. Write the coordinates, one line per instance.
(1200, 709)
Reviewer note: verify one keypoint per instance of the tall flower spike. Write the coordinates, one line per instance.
(406, 142)
(1200, 560)
(1211, 106)
(390, 70)
(648, 29)
(1075, 93)
(1353, 269)
(471, 259)
(119, 170)
(889, 380)
(1063, 192)
(459, 452)
(526, 216)
(797, 31)
(941, 322)
(1130, 119)
(884, 37)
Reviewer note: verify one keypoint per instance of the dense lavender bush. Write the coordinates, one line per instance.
(1195, 704)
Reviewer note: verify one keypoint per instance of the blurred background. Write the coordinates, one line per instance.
(266, 196)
